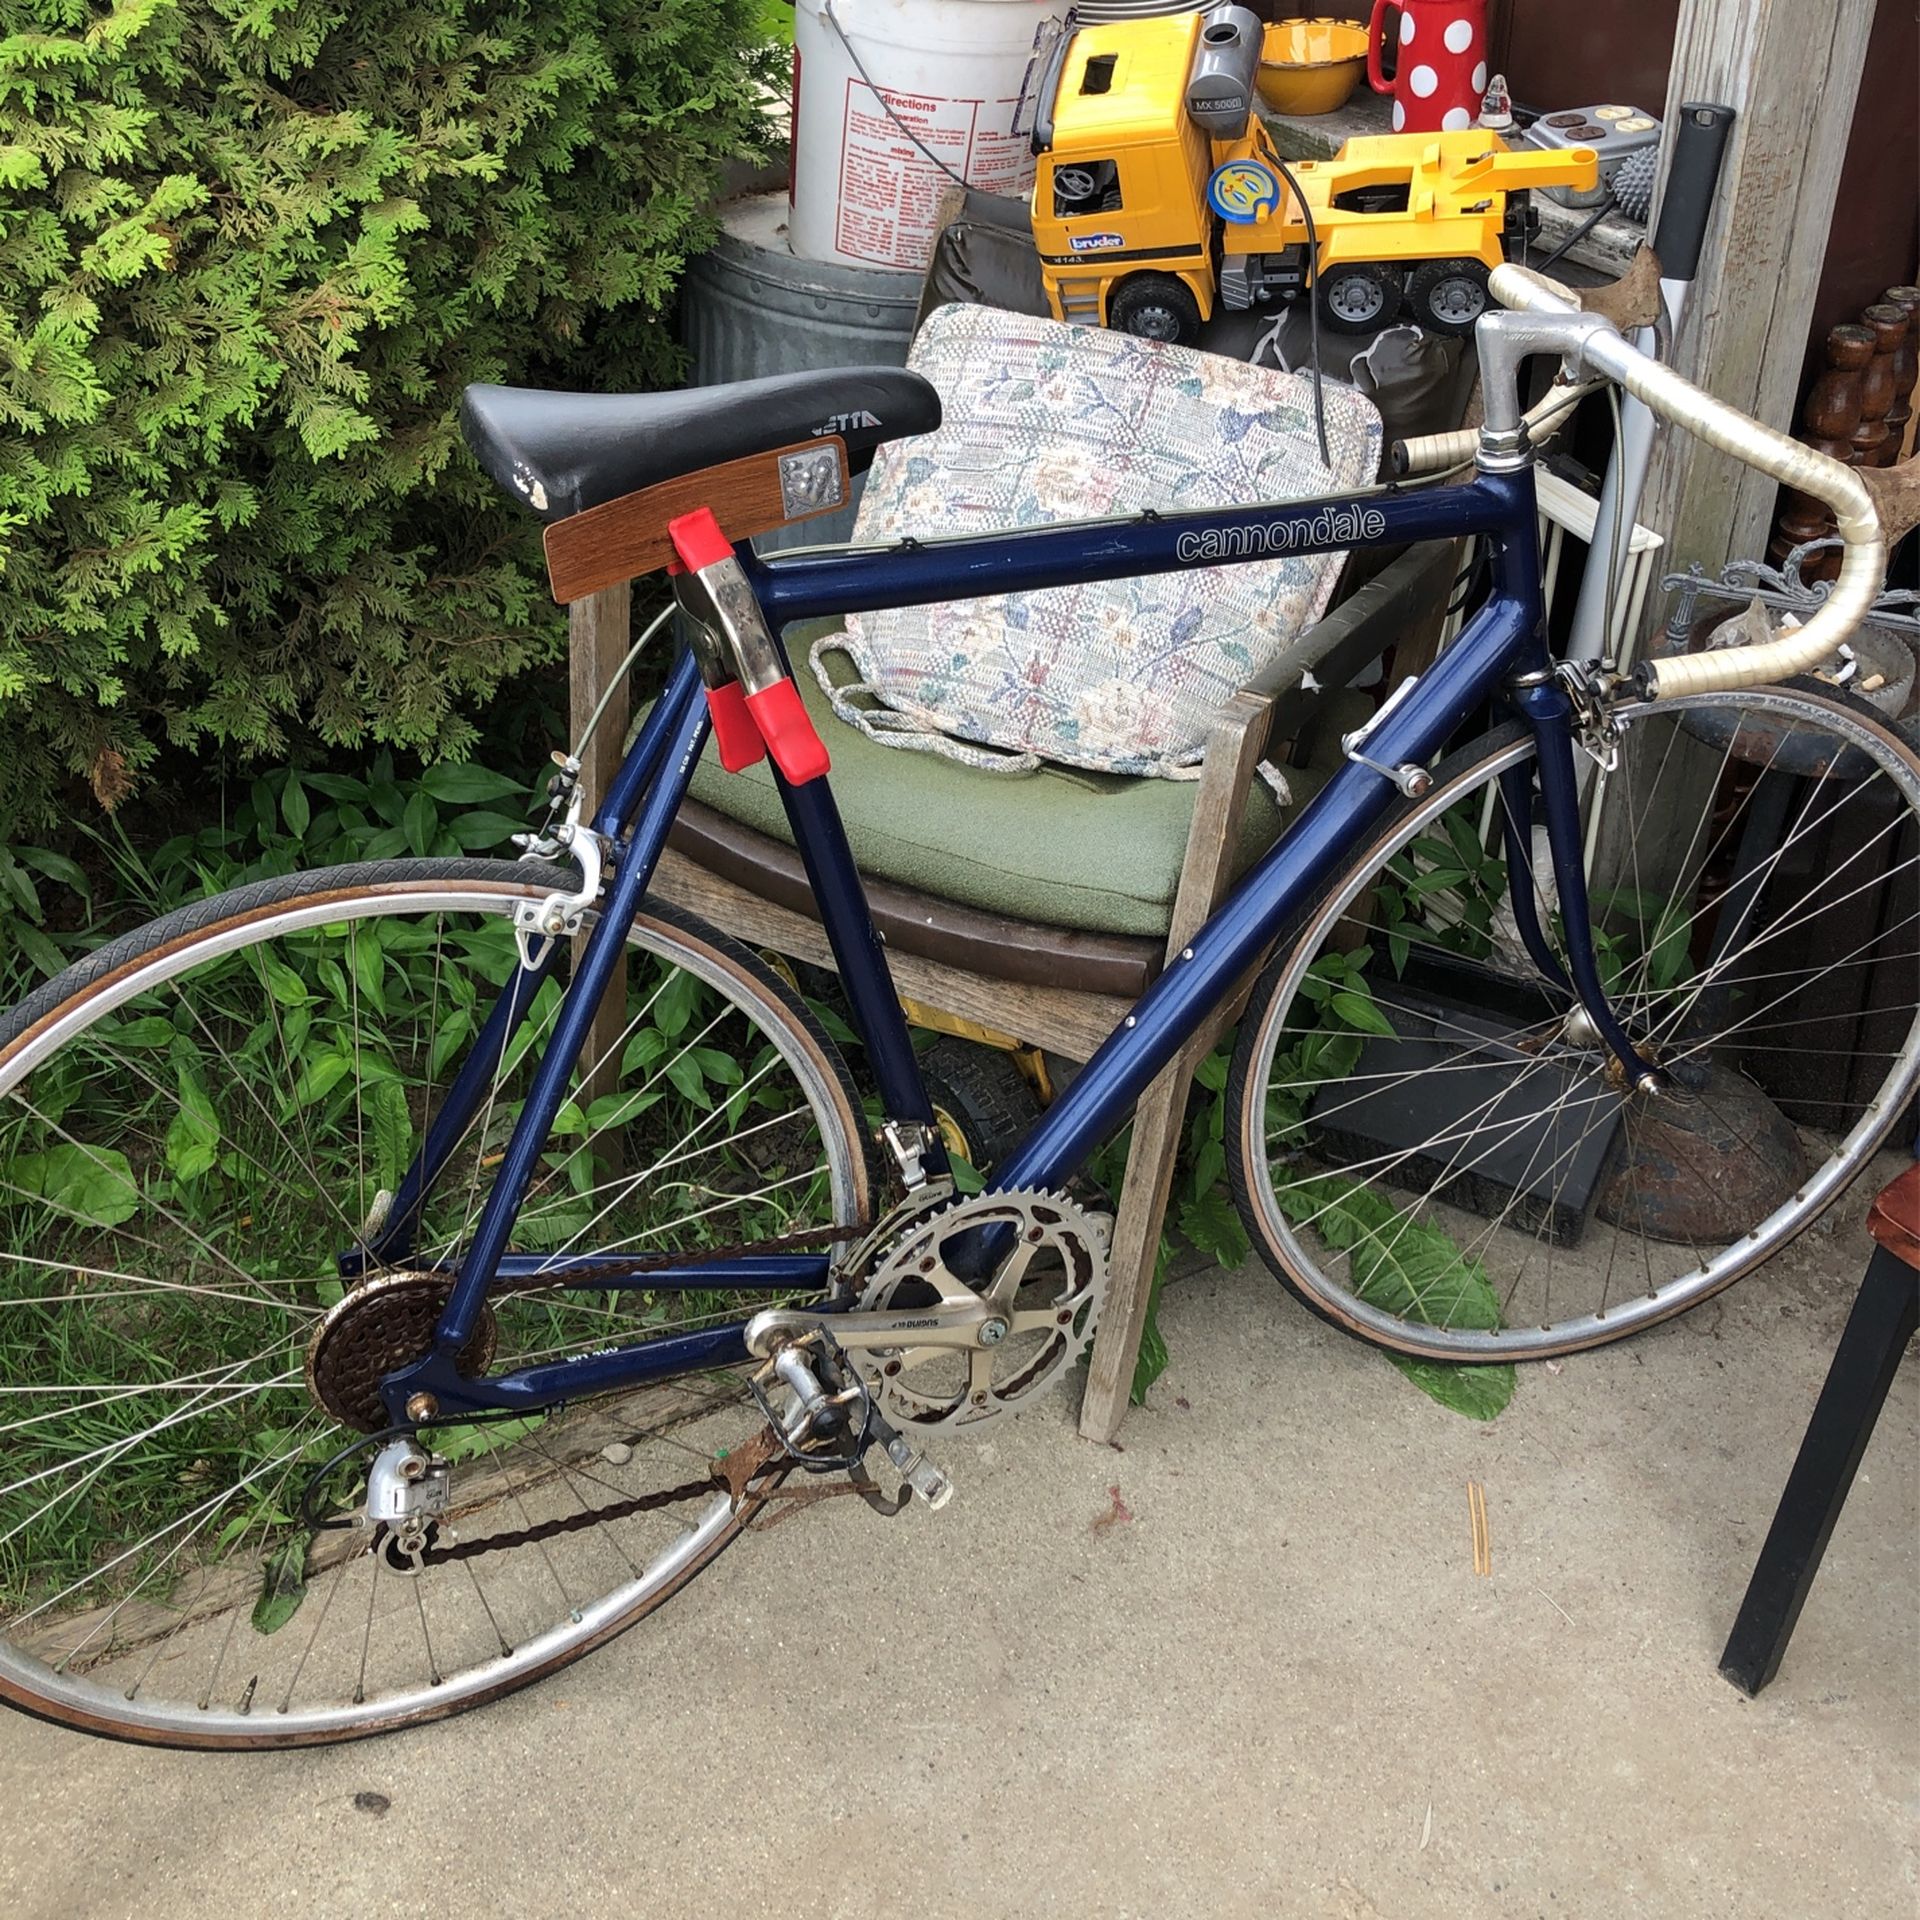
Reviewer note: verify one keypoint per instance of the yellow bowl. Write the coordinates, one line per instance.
(1311, 66)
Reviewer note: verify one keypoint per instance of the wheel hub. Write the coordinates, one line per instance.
(385, 1323)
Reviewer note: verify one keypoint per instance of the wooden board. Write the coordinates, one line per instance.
(1234, 747)
(1791, 70)
(1068, 1023)
(599, 632)
(624, 538)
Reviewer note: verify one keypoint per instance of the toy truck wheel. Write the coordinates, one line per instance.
(1448, 296)
(982, 1103)
(1360, 298)
(1155, 306)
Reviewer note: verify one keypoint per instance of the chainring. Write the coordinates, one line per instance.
(1049, 1289)
(383, 1324)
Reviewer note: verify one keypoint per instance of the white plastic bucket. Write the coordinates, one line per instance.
(864, 193)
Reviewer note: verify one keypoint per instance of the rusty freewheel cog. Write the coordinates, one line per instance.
(382, 1324)
(1048, 1289)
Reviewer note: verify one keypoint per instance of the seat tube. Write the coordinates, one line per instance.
(862, 961)
(686, 731)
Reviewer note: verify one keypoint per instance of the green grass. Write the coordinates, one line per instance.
(230, 1131)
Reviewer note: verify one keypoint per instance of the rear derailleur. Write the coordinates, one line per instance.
(408, 1489)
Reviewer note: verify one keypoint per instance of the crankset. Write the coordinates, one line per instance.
(939, 1351)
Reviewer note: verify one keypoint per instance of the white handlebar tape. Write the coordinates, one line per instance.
(1664, 393)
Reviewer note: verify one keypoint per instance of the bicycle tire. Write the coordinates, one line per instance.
(1333, 1145)
(192, 944)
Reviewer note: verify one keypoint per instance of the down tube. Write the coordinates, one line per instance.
(1292, 874)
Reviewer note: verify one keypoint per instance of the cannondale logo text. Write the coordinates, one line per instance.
(1329, 528)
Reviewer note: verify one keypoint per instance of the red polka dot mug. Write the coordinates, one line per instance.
(1440, 71)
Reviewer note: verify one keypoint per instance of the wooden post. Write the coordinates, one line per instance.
(1791, 70)
(1233, 751)
(599, 632)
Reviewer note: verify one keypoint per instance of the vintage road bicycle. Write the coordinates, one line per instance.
(369, 1352)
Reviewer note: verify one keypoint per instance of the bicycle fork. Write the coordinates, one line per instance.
(1549, 714)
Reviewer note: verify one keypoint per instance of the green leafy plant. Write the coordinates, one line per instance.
(287, 1088)
(250, 253)
(1398, 1264)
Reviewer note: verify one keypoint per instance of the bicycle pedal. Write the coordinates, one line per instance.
(930, 1482)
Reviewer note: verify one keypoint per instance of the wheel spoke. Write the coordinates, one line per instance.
(164, 1265)
(1577, 1199)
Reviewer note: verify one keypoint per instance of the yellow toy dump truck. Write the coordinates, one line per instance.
(1158, 197)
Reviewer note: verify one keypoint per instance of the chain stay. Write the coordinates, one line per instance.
(733, 1474)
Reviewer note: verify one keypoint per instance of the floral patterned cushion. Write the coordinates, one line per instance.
(1045, 422)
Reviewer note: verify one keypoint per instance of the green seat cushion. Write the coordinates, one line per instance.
(1062, 846)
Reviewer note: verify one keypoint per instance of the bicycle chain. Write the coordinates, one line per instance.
(735, 1473)
(585, 1275)
(727, 1474)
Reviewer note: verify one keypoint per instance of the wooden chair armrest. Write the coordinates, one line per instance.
(1357, 630)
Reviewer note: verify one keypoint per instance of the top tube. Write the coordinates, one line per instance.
(807, 586)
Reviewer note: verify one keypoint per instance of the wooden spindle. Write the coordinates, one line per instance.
(1906, 366)
(1828, 421)
(1872, 443)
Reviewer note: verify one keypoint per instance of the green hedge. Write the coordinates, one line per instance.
(250, 251)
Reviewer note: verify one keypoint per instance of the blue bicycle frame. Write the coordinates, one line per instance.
(1502, 649)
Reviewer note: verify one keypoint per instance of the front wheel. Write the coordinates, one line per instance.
(198, 1120)
(1429, 1144)
(1155, 306)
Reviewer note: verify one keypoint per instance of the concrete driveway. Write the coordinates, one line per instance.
(1241, 1665)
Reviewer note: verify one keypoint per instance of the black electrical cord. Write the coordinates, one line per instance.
(1313, 309)
(1579, 233)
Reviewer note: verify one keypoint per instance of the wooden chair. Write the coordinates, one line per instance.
(987, 950)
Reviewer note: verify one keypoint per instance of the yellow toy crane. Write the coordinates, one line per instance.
(1158, 197)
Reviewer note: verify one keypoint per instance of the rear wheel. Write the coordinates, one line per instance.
(1431, 1147)
(197, 1121)
(1448, 296)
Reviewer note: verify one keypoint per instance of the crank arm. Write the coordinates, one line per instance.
(975, 1324)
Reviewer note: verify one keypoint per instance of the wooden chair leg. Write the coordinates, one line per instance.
(1882, 1322)
(1233, 751)
(1136, 1248)
(599, 632)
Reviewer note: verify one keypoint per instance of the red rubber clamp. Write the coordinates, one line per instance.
(734, 731)
(787, 728)
(697, 539)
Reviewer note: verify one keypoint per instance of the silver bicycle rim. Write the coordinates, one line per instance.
(1736, 1259)
(80, 1700)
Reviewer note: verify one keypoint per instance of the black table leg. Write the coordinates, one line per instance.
(1882, 1321)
